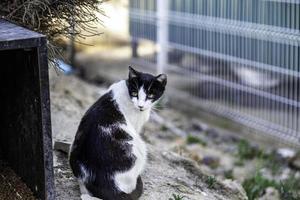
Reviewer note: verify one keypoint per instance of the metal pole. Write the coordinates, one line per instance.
(162, 34)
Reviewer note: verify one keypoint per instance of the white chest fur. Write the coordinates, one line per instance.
(135, 119)
(126, 180)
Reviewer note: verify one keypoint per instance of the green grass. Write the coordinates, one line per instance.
(228, 174)
(190, 139)
(177, 197)
(211, 182)
(288, 189)
(256, 185)
(246, 151)
(271, 162)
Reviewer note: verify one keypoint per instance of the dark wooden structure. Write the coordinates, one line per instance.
(25, 129)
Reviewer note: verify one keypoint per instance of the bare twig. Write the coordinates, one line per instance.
(54, 18)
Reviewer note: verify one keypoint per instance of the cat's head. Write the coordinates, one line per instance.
(145, 89)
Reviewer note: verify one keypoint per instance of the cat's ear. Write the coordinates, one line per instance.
(162, 78)
(132, 73)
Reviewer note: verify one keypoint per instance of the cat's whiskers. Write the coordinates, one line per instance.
(158, 107)
(161, 108)
(153, 108)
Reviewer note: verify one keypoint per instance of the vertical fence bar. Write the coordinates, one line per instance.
(162, 34)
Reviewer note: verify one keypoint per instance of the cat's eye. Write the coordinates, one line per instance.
(134, 94)
(150, 96)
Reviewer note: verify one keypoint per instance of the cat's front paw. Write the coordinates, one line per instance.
(88, 197)
(125, 182)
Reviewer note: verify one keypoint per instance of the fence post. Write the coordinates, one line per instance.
(162, 34)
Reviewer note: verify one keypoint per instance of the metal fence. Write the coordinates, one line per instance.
(241, 58)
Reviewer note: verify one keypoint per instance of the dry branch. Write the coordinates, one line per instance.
(54, 18)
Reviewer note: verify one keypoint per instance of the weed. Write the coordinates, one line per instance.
(211, 181)
(271, 162)
(289, 188)
(246, 151)
(256, 185)
(195, 140)
(228, 174)
(177, 197)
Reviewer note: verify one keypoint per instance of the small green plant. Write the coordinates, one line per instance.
(177, 197)
(228, 174)
(211, 181)
(246, 151)
(195, 140)
(289, 188)
(256, 185)
(271, 162)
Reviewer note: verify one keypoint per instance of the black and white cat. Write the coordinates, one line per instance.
(108, 155)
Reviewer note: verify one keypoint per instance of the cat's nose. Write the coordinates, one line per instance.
(141, 108)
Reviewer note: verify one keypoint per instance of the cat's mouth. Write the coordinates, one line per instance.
(141, 109)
